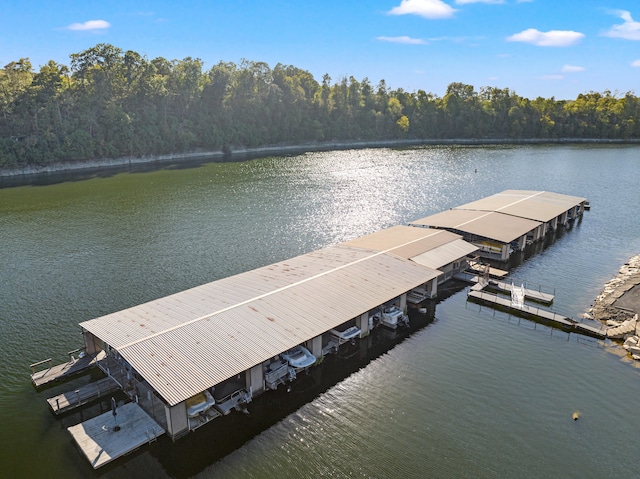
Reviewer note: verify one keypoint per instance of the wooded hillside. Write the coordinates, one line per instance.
(111, 103)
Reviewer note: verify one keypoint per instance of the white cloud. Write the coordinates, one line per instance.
(629, 30)
(403, 39)
(635, 63)
(572, 69)
(90, 25)
(423, 8)
(552, 38)
(464, 2)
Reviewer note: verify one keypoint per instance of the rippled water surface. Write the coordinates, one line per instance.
(474, 394)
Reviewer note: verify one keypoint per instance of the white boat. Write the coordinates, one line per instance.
(393, 317)
(199, 403)
(236, 400)
(232, 394)
(349, 334)
(278, 372)
(299, 357)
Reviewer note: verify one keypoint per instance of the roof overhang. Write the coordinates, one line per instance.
(187, 342)
(491, 225)
(541, 206)
(445, 254)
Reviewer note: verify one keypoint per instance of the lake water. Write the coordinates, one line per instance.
(473, 394)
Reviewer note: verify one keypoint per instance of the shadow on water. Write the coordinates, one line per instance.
(518, 258)
(56, 177)
(65, 176)
(203, 447)
(209, 444)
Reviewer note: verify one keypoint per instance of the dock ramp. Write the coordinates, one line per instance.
(83, 395)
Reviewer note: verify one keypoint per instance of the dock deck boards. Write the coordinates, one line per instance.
(533, 311)
(531, 294)
(598, 330)
(82, 395)
(64, 371)
(99, 442)
(550, 316)
(493, 272)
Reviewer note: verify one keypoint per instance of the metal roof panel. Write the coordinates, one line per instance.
(497, 226)
(534, 205)
(181, 353)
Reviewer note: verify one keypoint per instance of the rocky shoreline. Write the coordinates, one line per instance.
(620, 298)
(617, 307)
(234, 153)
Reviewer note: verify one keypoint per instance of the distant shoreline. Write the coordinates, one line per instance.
(240, 154)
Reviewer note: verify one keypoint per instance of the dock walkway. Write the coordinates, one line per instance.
(101, 443)
(538, 313)
(63, 371)
(481, 283)
(85, 394)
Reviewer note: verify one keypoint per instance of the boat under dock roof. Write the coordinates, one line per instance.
(187, 342)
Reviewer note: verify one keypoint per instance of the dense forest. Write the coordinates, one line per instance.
(111, 103)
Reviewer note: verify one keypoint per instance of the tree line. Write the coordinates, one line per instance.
(111, 103)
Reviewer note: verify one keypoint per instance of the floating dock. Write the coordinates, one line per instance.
(531, 294)
(481, 283)
(101, 442)
(536, 313)
(82, 395)
(481, 268)
(64, 371)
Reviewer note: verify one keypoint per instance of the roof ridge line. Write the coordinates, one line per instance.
(207, 316)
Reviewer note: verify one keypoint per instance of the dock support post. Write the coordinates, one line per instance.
(315, 345)
(363, 323)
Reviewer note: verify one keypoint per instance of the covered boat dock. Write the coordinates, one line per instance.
(195, 355)
(506, 222)
(224, 335)
(438, 249)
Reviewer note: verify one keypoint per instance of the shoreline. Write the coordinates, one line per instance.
(242, 154)
(619, 300)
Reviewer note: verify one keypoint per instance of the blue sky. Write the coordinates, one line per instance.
(548, 48)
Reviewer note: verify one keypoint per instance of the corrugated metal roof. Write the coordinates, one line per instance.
(534, 205)
(405, 241)
(445, 254)
(497, 226)
(187, 342)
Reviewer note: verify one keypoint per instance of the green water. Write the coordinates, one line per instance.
(475, 394)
